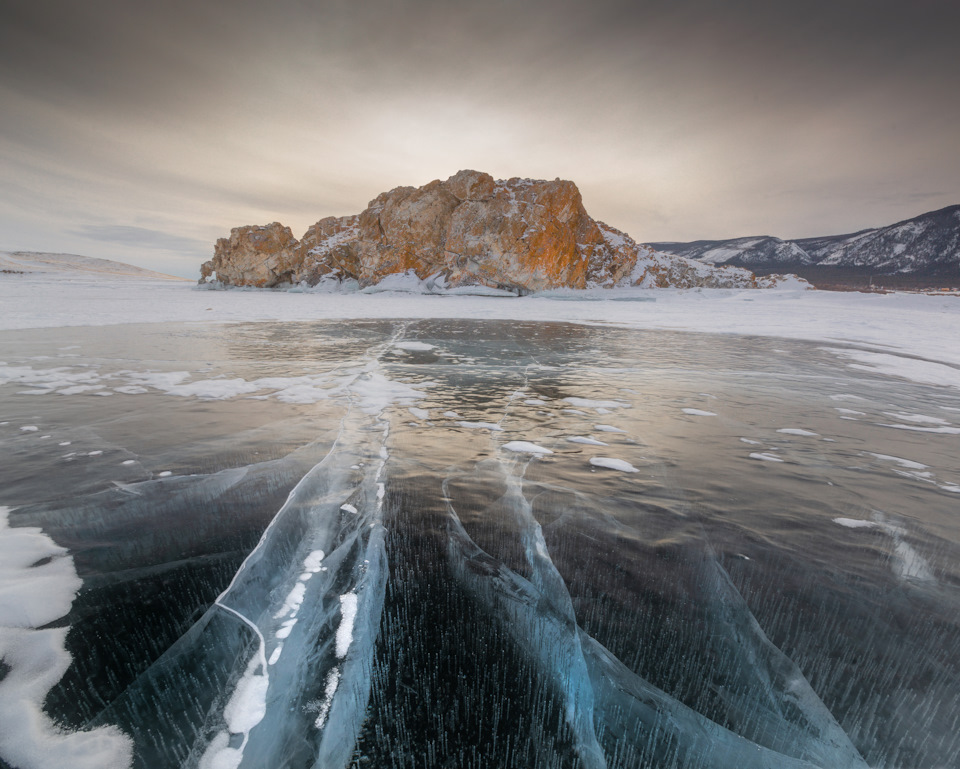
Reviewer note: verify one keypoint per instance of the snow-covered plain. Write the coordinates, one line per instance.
(909, 335)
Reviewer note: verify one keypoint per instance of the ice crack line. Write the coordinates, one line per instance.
(367, 398)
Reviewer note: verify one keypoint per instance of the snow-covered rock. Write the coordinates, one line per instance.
(469, 232)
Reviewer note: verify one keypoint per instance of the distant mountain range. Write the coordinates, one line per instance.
(925, 248)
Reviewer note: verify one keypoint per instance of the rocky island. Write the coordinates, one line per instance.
(516, 235)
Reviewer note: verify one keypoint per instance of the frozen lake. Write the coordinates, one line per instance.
(428, 543)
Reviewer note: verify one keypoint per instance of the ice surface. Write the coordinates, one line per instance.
(737, 579)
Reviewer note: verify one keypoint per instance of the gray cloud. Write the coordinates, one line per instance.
(141, 237)
(677, 119)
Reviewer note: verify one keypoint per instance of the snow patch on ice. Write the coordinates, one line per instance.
(902, 462)
(588, 441)
(587, 403)
(38, 583)
(918, 418)
(765, 456)
(248, 704)
(698, 413)
(413, 346)
(608, 429)
(797, 431)
(613, 464)
(348, 615)
(917, 429)
(525, 447)
(481, 426)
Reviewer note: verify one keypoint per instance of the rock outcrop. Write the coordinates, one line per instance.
(470, 230)
(254, 256)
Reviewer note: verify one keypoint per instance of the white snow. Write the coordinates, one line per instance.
(588, 441)
(765, 456)
(348, 508)
(608, 429)
(412, 345)
(910, 465)
(348, 615)
(481, 426)
(248, 704)
(914, 428)
(587, 403)
(419, 413)
(855, 523)
(525, 447)
(35, 591)
(613, 464)
(918, 418)
(797, 431)
(699, 413)
(294, 599)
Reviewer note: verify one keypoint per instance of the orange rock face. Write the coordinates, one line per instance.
(516, 234)
(254, 256)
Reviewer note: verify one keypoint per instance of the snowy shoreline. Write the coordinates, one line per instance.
(913, 335)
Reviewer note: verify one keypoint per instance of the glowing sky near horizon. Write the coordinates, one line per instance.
(143, 131)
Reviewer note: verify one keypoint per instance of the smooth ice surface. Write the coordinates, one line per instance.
(280, 564)
(901, 322)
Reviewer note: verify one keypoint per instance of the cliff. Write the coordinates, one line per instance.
(470, 230)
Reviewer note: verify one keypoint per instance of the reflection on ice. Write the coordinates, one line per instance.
(497, 587)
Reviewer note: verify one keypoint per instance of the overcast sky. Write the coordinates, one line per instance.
(143, 131)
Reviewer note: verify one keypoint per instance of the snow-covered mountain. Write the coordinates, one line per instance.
(928, 244)
(72, 265)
